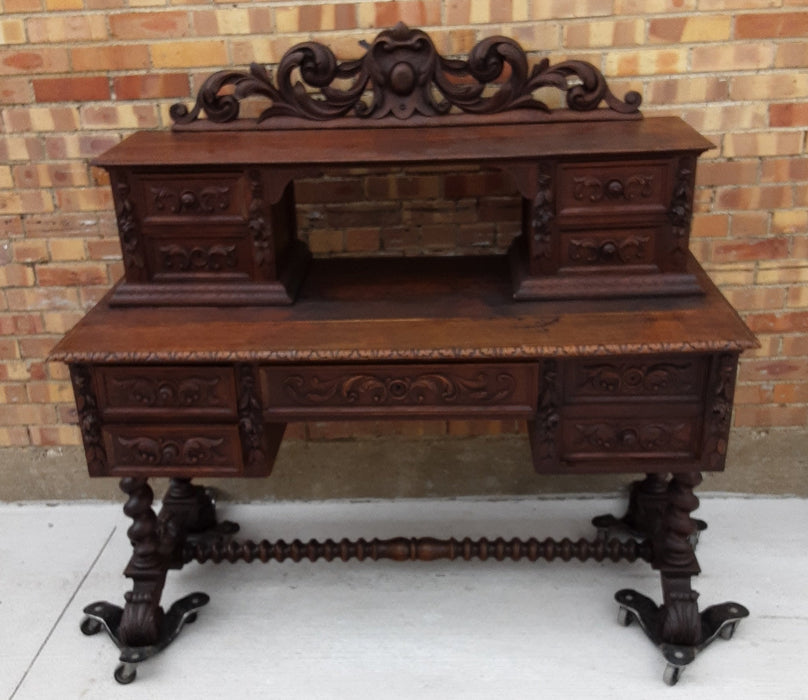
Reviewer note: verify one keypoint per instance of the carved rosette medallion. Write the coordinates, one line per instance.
(89, 418)
(402, 75)
(207, 200)
(250, 418)
(593, 189)
(432, 389)
(632, 249)
(680, 211)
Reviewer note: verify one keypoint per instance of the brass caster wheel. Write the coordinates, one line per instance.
(125, 673)
(90, 626)
(672, 674)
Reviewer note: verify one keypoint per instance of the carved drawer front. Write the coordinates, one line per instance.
(203, 197)
(165, 392)
(402, 390)
(149, 450)
(618, 248)
(596, 189)
(600, 439)
(635, 378)
(175, 255)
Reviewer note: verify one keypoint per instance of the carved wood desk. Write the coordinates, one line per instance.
(599, 329)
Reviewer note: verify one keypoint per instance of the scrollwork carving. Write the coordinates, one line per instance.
(197, 258)
(719, 415)
(89, 418)
(187, 392)
(170, 452)
(614, 250)
(258, 226)
(594, 189)
(384, 390)
(127, 225)
(617, 437)
(250, 419)
(542, 216)
(637, 379)
(680, 211)
(402, 75)
(207, 200)
(548, 415)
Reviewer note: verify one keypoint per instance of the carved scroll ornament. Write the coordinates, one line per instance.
(402, 75)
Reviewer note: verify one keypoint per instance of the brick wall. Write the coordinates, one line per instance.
(76, 76)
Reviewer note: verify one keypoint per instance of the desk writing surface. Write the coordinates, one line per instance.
(364, 147)
(407, 309)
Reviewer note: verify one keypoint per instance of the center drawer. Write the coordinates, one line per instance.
(376, 391)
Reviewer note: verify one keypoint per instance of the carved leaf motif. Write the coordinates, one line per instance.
(250, 418)
(592, 251)
(548, 416)
(423, 389)
(206, 200)
(165, 452)
(89, 418)
(191, 391)
(404, 76)
(197, 258)
(614, 436)
(651, 379)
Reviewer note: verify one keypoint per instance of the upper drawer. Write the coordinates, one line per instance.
(593, 189)
(199, 196)
(207, 392)
(401, 390)
(635, 378)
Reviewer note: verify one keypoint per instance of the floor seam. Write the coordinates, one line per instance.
(62, 613)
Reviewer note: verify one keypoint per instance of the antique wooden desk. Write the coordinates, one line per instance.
(599, 329)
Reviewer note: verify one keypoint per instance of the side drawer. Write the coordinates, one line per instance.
(587, 190)
(200, 197)
(173, 450)
(644, 379)
(161, 392)
(294, 392)
(623, 433)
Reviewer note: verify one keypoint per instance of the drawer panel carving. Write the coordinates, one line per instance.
(422, 390)
(198, 196)
(164, 450)
(592, 189)
(609, 249)
(172, 255)
(599, 438)
(637, 378)
(151, 391)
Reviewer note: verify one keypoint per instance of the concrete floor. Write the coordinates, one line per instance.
(413, 630)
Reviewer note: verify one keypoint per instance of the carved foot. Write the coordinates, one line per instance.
(643, 517)
(716, 621)
(110, 618)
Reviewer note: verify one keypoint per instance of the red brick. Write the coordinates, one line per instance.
(71, 89)
(784, 169)
(117, 57)
(788, 114)
(736, 172)
(746, 198)
(45, 60)
(765, 249)
(15, 91)
(780, 322)
(795, 346)
(149, 25)
(767, 370)
(771, 416)
(155, 85)
(775, 25)
(71, 275)
(417, 13)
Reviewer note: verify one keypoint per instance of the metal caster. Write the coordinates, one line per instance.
(672, 674)
(624, 617)
(89, 626)
(125, 673)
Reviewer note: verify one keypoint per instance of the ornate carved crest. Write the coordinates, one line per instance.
(400, 76)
